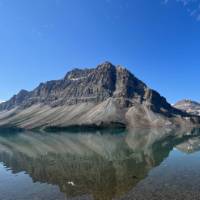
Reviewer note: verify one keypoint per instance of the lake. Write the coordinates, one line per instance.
(136, 164)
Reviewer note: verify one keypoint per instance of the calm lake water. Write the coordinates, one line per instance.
(139, 164)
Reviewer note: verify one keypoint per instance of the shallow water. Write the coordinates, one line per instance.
(139, 164)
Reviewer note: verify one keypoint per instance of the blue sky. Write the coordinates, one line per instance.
(159, 41)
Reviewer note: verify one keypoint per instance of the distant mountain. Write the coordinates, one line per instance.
(189, 106)
(104, 96)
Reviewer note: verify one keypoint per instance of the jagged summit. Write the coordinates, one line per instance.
(100, 96)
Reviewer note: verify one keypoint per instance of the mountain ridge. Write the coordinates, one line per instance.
(100, 96)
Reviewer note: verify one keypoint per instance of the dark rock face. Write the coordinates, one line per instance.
(114, 94)
(188, 106)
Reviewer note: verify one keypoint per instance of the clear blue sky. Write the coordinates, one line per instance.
(159, 41)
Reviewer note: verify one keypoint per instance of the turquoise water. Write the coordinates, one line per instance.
(136, 164)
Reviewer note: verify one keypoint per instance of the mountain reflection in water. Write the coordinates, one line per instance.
(99, 166)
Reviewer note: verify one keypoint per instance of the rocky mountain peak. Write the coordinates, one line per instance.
(187, 101)
(104, 95)
(106, 66)
(188, 106)
(90, 85)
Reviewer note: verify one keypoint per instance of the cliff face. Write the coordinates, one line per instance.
(188, 106)
(100, 96)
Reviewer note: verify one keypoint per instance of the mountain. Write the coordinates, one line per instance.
(105, 96)
(188, 106)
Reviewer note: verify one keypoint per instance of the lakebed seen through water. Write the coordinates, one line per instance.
(136, 164)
